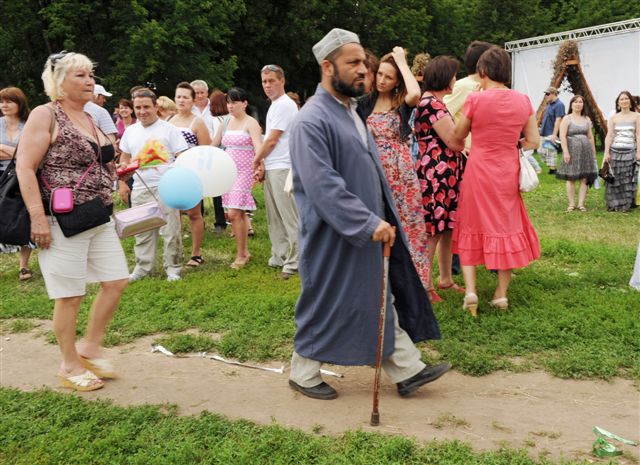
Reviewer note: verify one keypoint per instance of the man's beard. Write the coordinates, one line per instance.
(344, 88)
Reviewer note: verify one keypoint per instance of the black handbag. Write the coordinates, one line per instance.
(606, 173)
(15, 223)
(83, 217)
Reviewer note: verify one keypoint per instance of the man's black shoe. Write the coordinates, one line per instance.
(427, 375)
(552, 171)
(322, 391)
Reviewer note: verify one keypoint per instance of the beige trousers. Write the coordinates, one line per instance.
(146, 243)
(282, 221)
(404, 362)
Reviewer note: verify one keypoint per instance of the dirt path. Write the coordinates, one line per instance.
(534, 410)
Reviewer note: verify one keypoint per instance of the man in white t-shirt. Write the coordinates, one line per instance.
(155, 142)
(282, 214)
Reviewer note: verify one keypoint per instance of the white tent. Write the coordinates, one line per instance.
(609, 55)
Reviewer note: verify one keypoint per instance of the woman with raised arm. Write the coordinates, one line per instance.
(387, 110)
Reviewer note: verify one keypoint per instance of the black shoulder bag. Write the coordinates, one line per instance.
(15, 224)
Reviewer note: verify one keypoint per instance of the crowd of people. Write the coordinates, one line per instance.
(381, 153)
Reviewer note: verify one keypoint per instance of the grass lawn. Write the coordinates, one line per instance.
(571, 313)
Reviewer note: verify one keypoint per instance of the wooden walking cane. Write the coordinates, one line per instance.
(375, 415)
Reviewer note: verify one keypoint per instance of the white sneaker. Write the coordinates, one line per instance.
(136, 277)
(173, 277)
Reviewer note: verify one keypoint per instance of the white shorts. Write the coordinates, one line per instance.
(70, 263)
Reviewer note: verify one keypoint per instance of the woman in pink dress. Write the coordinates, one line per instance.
(387, 111)
(493, 227)
(241, 137)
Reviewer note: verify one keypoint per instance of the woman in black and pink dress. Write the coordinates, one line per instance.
(440, 165)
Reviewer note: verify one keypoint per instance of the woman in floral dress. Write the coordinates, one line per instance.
(387, 110)
(440, 166)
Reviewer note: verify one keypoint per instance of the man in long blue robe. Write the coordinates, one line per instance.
(346, 212)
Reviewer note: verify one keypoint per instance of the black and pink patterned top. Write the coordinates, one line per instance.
(68, 158)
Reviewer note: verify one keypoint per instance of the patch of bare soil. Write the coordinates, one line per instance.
(547, 415)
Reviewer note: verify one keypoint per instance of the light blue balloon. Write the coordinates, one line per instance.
(180, 188)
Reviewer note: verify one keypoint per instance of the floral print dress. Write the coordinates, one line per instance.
(400, 172)
(439, 168)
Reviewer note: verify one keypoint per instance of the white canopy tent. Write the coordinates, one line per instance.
(609, 55)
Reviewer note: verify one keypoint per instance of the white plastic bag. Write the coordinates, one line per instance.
(635, 279)
(528, 177)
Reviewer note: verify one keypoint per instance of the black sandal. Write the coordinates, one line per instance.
(196, 260)
(25, 274)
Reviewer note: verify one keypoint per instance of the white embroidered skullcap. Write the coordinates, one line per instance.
(334, 39)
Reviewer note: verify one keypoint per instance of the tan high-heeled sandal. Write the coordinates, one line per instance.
(501, 303)
(470, 304)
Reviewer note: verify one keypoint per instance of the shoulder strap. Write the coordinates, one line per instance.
(52, 125)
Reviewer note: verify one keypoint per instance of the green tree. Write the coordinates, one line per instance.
(500, 21)
(22, 47)
(132, 41)
(577, 14)
(452, 27)
(284, 31)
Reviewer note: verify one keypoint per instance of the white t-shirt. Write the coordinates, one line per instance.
(280, 116)
(161, 136)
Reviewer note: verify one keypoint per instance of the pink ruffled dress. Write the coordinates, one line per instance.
(493, 227)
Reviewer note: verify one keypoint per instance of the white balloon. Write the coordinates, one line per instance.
(214, 166)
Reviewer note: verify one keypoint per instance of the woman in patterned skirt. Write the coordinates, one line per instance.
(387, 110)
(241, 137)
(622, 151)
(440, 166)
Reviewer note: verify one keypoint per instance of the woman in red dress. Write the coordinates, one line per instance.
(493, 227)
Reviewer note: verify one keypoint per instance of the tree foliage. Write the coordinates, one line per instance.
(226, 42)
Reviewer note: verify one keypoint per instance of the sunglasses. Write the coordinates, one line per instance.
(274, 68)
(55, 57)
(143, 93)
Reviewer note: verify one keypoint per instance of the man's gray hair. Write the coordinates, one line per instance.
(200, 83)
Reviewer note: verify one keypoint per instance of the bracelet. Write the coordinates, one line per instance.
(35, 207)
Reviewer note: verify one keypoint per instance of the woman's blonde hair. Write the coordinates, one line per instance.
(166, 104)
(56, 69)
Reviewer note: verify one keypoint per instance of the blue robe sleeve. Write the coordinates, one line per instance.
(325, 188)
